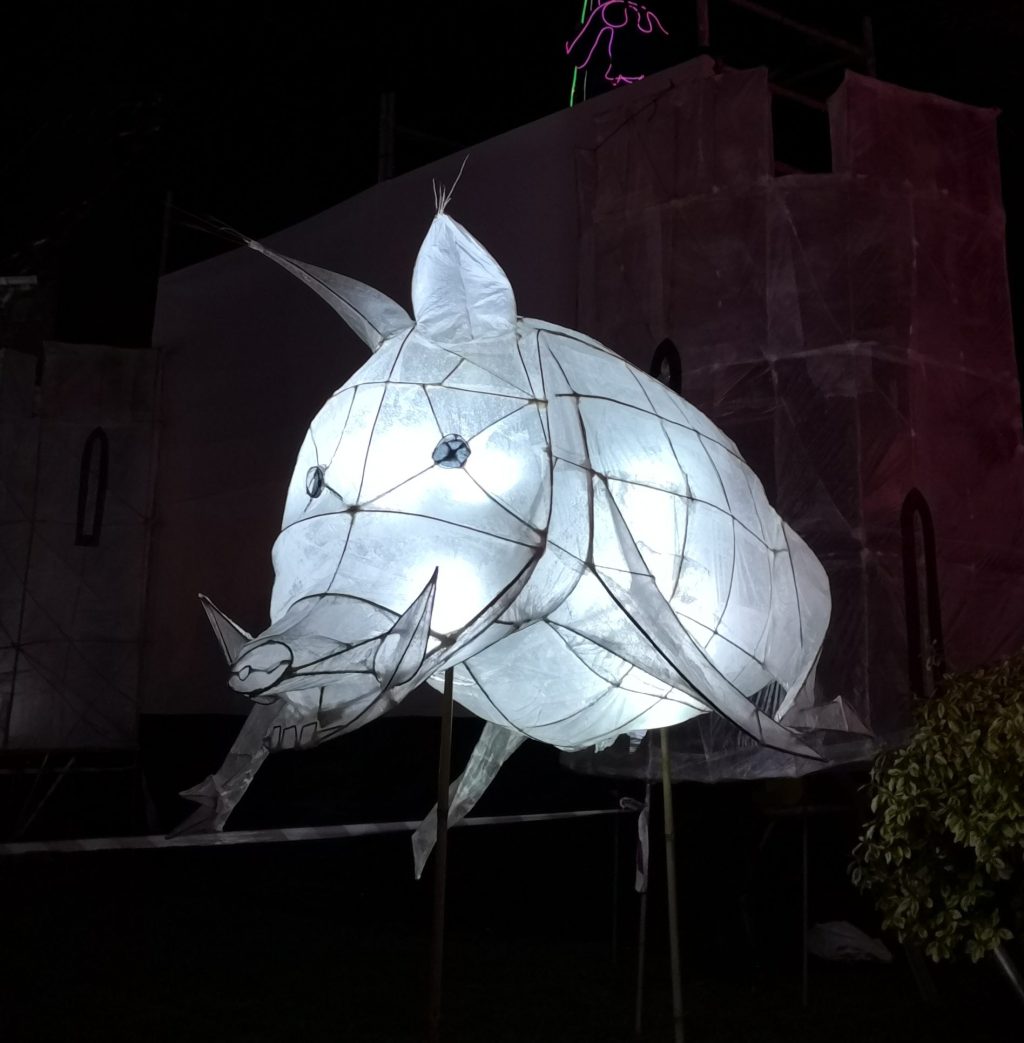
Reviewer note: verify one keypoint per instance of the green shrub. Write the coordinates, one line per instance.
(943, 852)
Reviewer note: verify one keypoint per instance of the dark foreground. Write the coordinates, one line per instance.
(331, 940)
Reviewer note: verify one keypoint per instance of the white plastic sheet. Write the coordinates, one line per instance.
(514, 501)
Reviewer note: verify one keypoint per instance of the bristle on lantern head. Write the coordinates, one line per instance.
(370, 314)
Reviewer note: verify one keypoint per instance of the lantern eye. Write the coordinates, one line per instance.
(315, 481)
(451, 451)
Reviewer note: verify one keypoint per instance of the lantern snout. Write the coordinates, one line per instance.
(260, 668)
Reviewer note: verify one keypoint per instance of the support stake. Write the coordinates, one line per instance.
(441, 857)
(803, 907)
(615, 887)
(1009, 968)
(641, 956)
(670, 871)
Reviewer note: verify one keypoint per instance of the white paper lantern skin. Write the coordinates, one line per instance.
(514, 500)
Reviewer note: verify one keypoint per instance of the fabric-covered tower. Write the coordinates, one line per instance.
(851, 331)
(77, 430)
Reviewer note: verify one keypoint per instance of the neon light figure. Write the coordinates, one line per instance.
(599, 30)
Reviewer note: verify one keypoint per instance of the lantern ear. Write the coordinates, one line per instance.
(459, 291)
(372, 315)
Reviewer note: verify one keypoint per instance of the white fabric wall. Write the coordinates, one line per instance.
(71, 612)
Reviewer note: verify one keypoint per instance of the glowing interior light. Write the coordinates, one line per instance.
(514, 502)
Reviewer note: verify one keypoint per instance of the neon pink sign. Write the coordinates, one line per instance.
(604, 25)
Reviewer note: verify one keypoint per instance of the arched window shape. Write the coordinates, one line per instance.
(92, 488)
(666, 367)
(925, 643)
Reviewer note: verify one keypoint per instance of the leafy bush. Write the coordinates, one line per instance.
(943, 853)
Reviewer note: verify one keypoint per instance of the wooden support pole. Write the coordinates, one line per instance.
(1009, 968)
(441, 859)
(386, 134)
(641, 945)
(641, 962)
(615, 888)
(703, 29)
(670, 872)
(803, 907)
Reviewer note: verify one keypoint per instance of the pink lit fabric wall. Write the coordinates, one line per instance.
(851, 331)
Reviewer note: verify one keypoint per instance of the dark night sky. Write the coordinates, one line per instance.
(263, 114)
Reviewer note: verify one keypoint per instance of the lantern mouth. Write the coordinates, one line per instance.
(260, 668)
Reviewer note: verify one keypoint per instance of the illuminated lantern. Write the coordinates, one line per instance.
(513, 500)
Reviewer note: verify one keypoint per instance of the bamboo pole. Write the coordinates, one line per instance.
(641, 961)
(703, 29)
(441, 859)
(803, 907)
(670, 871)
(1009, 968)
(641, 956)
(615, 888)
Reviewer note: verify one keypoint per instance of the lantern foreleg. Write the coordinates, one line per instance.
(495, 745)
(218, 794)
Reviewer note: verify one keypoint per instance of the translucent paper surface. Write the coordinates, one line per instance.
(849, 331)
(513, 500)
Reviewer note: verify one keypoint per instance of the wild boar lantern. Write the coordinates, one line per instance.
(511, 500)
